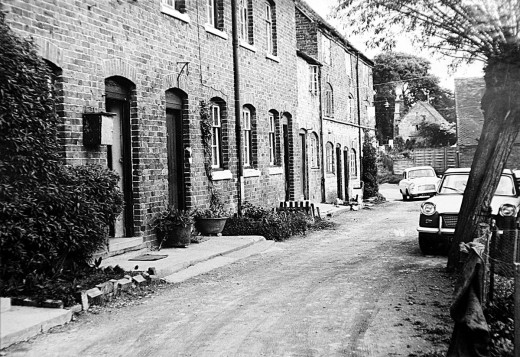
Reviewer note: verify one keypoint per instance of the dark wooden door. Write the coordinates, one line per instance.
(175, 159)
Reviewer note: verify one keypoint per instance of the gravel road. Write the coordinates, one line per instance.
(362, 289)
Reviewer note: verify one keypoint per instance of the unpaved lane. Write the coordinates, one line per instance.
(360, 290)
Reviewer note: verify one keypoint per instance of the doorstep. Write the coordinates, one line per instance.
(118, 246)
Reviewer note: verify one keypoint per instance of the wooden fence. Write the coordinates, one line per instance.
(440, 159)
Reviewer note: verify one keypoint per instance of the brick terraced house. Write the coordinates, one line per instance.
(335, 109)
(132, 78)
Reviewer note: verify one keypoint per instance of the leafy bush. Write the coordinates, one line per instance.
(50, 214)
(499, 316)
(257, 220)
(369, 178)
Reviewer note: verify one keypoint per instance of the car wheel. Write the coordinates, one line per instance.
(427, 243)
(405, 197)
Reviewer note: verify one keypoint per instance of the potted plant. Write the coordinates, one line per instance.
(213, 219)
(173, 227)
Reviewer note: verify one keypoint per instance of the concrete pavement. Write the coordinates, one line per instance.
(20, 323)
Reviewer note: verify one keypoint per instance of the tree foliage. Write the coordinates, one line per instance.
(437, 135)
(467, 30)
(369, 174)
(407, 77)
(50, 213)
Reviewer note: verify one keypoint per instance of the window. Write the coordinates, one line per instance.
(272, 139)
(246, 25)
(348, 64)
(248, 140)
(329, 101)
(216, 140)
(211, 12)
(270, 32)
(329, 158)
(315, 151)
(353, 163)
(178, 5)
(350, 108)
(325, 43)
(313, 70)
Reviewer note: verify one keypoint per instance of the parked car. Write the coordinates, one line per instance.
(418, 181)
(439, 214)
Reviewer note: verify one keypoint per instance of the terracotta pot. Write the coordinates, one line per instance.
(208, 226)
(179, 237)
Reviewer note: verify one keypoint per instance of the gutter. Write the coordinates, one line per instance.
(238, 111)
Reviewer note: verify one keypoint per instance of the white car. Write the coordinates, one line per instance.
(439, 214)
(418, 181)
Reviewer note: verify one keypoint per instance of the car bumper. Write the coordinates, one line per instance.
(442, 231)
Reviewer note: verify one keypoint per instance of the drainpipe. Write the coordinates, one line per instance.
(323, 193)
(360, 149)
(238, 111)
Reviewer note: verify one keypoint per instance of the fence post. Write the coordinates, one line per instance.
(517, 309)
(484, 237)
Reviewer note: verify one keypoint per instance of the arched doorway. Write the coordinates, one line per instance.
(175, 100)
(118, 92)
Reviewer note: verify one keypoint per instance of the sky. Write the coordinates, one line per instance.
(440, 65)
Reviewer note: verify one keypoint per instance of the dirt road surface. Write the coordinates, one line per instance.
(362, 289)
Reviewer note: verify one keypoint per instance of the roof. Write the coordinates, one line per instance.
(470, 118)
(418, 168)
(420, 112)
(323, 24)
(309, 59)
(465, 170)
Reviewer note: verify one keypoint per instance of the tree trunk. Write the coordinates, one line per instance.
(501, 105)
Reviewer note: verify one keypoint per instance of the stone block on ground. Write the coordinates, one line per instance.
(139, 280)
(95, 296)
(84, 300)
(124, 284)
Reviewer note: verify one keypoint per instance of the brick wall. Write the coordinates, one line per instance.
(156, 51)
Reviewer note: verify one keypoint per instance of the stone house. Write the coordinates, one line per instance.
(134, 79)
(421, 112)
(470, 119)
(335, 109)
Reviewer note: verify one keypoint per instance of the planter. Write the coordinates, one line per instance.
(178, 237)
(207, 226)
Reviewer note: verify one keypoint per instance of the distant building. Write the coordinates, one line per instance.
(470, 119)
(421, 112)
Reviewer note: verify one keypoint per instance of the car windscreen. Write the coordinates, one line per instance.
(457, 184)
(421, 173)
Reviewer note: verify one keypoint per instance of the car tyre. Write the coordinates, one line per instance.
(405, 197)
(427, 244)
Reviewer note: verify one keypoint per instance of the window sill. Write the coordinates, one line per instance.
(221, 175)
(272, 57)
(252, 173)
(215, 31)
(168, 10)
(276, 170)
(247, 46)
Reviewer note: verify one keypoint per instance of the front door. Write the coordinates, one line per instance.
(338, 173)
(175, 158)
(119, 160)
(286, 161)
(303, 169)
(346, 171)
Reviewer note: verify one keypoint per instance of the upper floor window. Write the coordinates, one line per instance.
(348, 64)
(329, 158)
(313, 83)
(326, 49)
(270, 29)
(329, 101)
(315, 150)
(246, 21)
(211, 12)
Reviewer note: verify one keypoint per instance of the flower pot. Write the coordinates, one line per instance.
(178, 237)
(208, 226)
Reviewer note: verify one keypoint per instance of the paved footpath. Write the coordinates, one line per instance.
(360, 290)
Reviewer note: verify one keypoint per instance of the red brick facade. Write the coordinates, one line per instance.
(152, 64)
